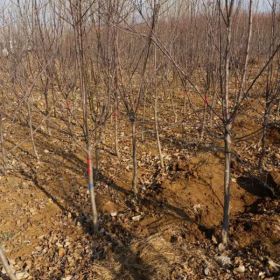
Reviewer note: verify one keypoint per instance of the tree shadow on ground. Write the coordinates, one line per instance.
(157, 205)
(131, 265)
(254, 186)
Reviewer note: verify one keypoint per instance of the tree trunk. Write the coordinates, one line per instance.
(2, 144)
(46, 95)
(53, 100)
(117, 131)
(213, 105)
(227, 175)
(97, 146)
(173, 108)
(203, 121)
(157, 130)
(31, 130)
(263, 136)
(134, 157)
(143, 119)
(91, 191)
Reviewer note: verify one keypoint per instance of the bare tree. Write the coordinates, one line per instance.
(132, 97)
(79, 13)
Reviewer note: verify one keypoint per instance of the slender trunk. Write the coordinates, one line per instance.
(157, 130)
(227, 174)
(203, 122)
(173, 107)
(245, 67)
(112, 114)
(47, 113)
(2, 144)
(185, 104)
(53, 100)
(227, 127)
(143, 119)
(134, 157)
(46, 95)
(263, 137)
(31, 130)
(117, 131)
(79, 44)
(213, 105)
(156, 109)
(97, 139)
(91, 191)
(269, 95)
(6, 265)
(69, 116)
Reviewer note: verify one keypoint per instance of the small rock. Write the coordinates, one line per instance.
(206, 271)
(22, 275)
(59, 245)
(25, 185)
(273, 266)
(127, 168)
(61, 252)
(136, 218)
(237, 261)
(38, 248)
(3, 271)
(214, 239)
(32, 211)
(240, 269)
(46, 151)
(114, 214)
(66, 278)
(221, 247)
(223, 260)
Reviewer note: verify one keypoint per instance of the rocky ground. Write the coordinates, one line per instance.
(170, 231)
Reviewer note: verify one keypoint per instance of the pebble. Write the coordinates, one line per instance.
(136, 218)
(273, 266)
(214, 239)
(240, 269)
(22, 275)
(114, 214)
(221, 247)
(61, 252)
(66, 278)
(223, 260)
(32, 211)
(206, 271)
